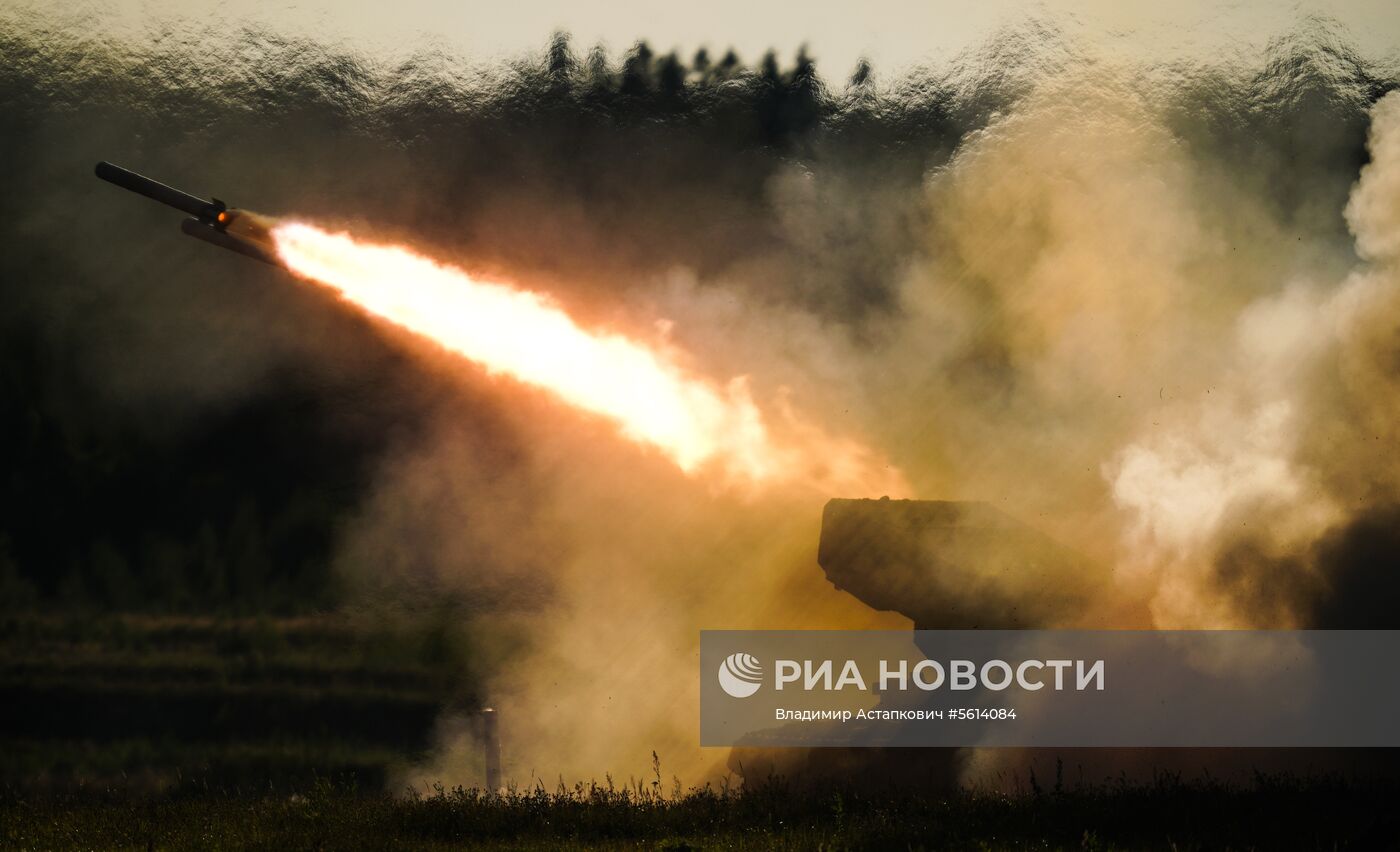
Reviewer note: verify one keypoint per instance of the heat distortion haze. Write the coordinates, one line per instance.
(582, 341)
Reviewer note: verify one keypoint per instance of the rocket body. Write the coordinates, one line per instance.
(212, 221)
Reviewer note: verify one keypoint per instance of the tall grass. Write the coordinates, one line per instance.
(1315, 813)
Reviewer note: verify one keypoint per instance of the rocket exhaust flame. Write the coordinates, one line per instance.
(524, 335)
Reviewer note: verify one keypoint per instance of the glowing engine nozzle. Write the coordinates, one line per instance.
(210, 220)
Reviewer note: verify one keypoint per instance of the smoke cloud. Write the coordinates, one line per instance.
(1151, 311)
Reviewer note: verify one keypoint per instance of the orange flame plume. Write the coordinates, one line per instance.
(528, 337)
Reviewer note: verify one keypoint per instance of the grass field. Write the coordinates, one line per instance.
(154, 704)
(166, 732)
(1169, 815)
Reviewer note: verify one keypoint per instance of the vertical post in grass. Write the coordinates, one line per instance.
(491, 742)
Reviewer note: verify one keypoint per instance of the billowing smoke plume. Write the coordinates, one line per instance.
(1140, 308)
(1268, 500)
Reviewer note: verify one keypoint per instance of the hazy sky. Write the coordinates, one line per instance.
(892, 33)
